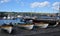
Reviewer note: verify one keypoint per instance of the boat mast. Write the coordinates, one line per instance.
(59, 9)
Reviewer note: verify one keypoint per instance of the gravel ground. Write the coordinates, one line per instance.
(34, 32)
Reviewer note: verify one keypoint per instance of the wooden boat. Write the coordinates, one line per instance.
(41, 25)
(8, 28)
(26, 26)
(53, 24)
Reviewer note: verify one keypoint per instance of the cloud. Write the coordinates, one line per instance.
(56, 5)
(4, 1)
(39, 4)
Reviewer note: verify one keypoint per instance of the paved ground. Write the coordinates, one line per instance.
(47, 34)
(35, 32)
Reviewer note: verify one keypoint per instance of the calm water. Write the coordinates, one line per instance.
(9, 21)
(18, 20)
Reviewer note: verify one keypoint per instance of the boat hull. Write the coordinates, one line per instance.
(26, 26)
(42, 25)
(8, 29)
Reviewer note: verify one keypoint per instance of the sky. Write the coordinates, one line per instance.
(37, 6)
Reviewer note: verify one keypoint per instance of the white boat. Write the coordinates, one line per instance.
(7, 28)
(26, 26)
(4, 17)
(27, 17)
(42, 25)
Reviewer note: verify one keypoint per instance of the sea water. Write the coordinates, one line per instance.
(10, 21)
